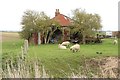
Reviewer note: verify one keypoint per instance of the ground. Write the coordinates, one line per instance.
(60, 63)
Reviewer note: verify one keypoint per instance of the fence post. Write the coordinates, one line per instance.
(25, 46)
(22, 50)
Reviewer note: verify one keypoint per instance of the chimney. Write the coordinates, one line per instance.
(57, 12)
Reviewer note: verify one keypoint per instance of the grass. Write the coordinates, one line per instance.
(10, 46)
(11, 42)
(9, 36)
(59, 63)
(56, 60)
(88, 50)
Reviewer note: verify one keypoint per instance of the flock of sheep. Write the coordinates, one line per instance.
(64, 45)
(75, 47)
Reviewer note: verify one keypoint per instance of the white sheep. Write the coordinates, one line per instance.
(61, 46)
(66, 43)
(115, 42)
(75, 48)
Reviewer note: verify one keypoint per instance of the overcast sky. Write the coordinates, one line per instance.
(11, 11)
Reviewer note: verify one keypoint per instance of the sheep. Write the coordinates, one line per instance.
(61, 46)
(75, 48)
(66, 43)
(115, 42)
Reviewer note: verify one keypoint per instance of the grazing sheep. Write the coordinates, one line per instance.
(115, 42)
(75, 48)
(61, 46)
(66, 43)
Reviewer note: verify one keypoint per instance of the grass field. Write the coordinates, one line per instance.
(11, 43)
(55, 59)
(9, 36)
(58, 63)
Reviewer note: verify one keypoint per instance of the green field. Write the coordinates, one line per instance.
(60, 63)
(55, 59)
(11, 43)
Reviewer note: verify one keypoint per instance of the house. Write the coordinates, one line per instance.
(116, 34)
(64, 22)
(63, 33)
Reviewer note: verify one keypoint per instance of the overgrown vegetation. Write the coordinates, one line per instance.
(49, 61)
(85, 23)
(35, 22)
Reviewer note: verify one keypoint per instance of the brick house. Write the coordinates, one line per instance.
(63, 33)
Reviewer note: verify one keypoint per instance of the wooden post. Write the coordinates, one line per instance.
(39, 38)
(22, 51)
(25, 46)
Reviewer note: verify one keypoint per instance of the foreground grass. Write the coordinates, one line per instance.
(10, 47)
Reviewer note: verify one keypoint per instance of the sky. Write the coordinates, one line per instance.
(11, 11)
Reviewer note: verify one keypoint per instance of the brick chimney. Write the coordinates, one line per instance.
(57, 12)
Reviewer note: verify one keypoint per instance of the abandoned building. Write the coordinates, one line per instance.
(62, 33)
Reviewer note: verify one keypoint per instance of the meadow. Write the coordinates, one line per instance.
(56, 62)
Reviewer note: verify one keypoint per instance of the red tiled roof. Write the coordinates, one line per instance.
(62, 20)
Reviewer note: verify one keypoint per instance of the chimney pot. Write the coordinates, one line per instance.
(57, 12)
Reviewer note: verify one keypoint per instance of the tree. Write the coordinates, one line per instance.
(34, 22)
(28, 24)
(45, 24)
(86, 23)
